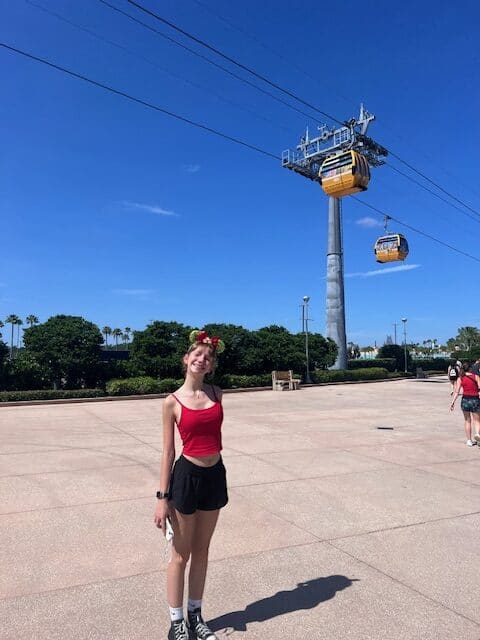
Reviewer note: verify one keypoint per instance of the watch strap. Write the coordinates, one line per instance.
(162, 496)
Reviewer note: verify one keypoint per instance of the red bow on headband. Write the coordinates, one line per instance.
(203, 338)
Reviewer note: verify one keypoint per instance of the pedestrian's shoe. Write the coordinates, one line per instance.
(469, 443)
(476, 437)
(178, 631)
(198, 628)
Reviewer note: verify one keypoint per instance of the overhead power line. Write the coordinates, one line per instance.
(285, 91)
(220, 134)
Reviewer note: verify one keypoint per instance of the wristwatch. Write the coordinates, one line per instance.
(162, 496)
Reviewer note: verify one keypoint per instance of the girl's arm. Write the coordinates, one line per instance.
(458, 385)
(168, 457)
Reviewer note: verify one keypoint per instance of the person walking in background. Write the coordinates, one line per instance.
(469, 382)
(475, 368)
(453, 372)
(192, 494)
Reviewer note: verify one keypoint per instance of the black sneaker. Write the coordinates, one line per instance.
(198, 628)
(178, 631)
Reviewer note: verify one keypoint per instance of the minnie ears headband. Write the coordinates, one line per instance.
(201, 337)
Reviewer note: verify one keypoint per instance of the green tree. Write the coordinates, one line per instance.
(467, 337)
(398, 352)
(68, 349)
(31, 320)
(13, 320)
(158, 350)
(26, 373)
(19, 324)
(107, 331)
(116, 333)
(126, 335)
(3, 364)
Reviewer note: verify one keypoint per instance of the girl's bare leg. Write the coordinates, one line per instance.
(468, 425)
(476, 423)
(183, 528)
(205, 522)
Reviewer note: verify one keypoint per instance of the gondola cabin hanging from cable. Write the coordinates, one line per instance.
(344, 174)
(391, 247)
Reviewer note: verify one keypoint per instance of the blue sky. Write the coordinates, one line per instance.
(123, 215)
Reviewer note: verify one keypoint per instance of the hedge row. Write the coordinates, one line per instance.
(383, 363)
(145, 385)
(50, 394)
(141, 386)
(427, 364)
(231, 381)
(370, 373)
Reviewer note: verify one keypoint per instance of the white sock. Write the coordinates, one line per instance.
(176, 613)
(194, 604)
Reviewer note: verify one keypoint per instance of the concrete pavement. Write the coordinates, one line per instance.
(335, 529)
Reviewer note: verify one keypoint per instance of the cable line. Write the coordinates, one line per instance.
(199, 55)
(285, 91)
(433, 192)
(271, 50)
(155, 64)
(434, 183)
(235, 62)
(205, 128)
(139, 101)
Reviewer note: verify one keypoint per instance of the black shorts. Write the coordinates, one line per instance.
(193, 487)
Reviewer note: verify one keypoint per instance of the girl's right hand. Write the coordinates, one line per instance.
(161, 513)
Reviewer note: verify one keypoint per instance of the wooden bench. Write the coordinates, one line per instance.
(284, 379)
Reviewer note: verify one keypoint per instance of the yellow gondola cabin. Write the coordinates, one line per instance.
(391, 248)
(344, 174)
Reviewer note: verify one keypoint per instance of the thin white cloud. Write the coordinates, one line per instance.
(151, 208)
(191, 168)
(132, 292)
(368, 222)
(381, 272)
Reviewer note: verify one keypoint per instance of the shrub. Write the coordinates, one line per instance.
(233, 381)
(384, 363)
(133, 386)
(431, 364)
(49, 394)
(370, 373)
(466, 356)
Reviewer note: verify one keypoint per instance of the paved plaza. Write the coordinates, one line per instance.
(336, 529)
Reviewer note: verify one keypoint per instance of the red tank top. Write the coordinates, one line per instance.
(469, 385)
(200, 429)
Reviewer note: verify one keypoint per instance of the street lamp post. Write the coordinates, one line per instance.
(404, 320)
(305, 319)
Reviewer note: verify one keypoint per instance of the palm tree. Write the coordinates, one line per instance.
(125, 339)
(116, 333)
(127, 333)
(31, 320)
(1, 325)
(19, 323)
(107, 331)
(13, 320)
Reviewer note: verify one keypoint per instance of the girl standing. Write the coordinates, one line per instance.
(470, 384)
(192, 494)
